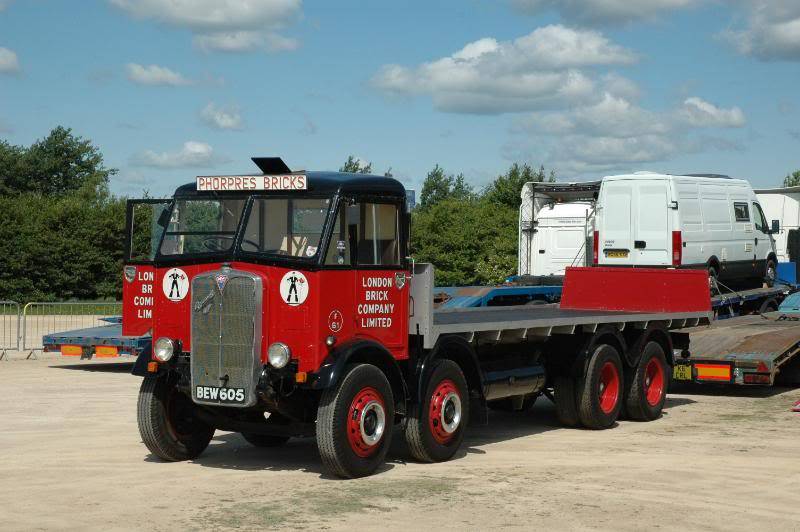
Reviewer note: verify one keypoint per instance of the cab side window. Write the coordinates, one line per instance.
(368, 232)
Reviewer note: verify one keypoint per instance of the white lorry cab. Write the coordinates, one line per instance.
(701, 221)
(782, 206)
(556, 225)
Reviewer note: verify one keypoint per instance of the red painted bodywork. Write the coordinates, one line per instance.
(636, 290)
(334, 307)
(138, 297)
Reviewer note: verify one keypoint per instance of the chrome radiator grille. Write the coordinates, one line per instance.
(226, 333)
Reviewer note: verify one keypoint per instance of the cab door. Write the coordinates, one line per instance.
(377, 241)
(762, 240)
(145, 222)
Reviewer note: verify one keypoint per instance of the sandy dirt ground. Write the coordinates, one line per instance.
(71, 459)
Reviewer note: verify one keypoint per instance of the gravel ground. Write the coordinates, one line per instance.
(72, 459)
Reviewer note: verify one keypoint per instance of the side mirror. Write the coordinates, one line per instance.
(776, 226)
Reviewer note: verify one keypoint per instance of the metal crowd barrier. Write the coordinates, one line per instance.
(9, 327)
(40, 319)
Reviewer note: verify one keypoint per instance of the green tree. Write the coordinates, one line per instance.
(61, 232)
(469, 241)
(439, 186)
(792, 180)
(57, 164)
(354, 165)
(506, 188)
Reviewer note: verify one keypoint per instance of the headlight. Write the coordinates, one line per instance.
(164, 349)
(278, 354)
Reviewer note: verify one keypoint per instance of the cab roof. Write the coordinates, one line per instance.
(328, 183)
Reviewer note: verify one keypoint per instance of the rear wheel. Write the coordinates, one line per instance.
(435, 428)
(647, 385)
(168, 422)
(600, 389)
(566, 401)
(355, 421)
(713, 278)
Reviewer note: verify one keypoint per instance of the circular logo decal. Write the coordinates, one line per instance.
(335, 321)
(175, 284)
(294, 288)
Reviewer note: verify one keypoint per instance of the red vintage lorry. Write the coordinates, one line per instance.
(284, 304)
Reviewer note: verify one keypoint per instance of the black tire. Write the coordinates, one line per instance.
(168, 422)
(770, 305)
(566, 403)
(713, 278)
(507, 404)
(596, 412)
(647, 384)
(336, 411)
(428, 439)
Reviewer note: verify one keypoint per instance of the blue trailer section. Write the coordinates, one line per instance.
(485, 296)
(103, 335)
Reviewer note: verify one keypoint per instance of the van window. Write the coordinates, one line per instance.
(741, 211)
(760, 221)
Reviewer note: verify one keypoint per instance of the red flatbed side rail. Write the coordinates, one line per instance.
(651, 290)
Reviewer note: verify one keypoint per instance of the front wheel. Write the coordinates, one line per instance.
(435, 428)
(355, 421)
(771, 273)
(168, 421)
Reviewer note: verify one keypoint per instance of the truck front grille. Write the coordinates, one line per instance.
(226, 334)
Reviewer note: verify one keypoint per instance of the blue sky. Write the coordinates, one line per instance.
(170, 89)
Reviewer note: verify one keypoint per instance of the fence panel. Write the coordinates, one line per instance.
(40, 319)
(9, 327)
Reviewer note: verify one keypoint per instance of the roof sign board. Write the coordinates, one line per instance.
(230, 183)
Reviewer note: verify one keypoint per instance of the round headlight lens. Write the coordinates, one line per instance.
(163, 349)
(278, 354)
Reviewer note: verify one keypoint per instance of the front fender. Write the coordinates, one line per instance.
(140, 366)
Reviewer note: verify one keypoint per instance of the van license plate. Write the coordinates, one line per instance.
(617, 253)
(682, 372)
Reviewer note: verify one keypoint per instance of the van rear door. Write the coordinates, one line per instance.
(616, 233)
(652, 229)
(636, 229)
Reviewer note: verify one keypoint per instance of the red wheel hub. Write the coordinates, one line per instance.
(366, 422)
(609, 387)
(653, 382)
(444, 413)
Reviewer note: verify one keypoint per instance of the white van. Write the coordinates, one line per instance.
(684, 221)
(556, 225)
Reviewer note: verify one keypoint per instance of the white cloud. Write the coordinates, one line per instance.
(701, 113)
(772, 31)
(599, 12)
(155, 75)
(536, 71)
(9, 64)
(616, 134)
(245, 41)
(192, 154)
(225, 117)
(223, 25)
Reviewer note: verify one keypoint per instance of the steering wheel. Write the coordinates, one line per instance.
(211, 243)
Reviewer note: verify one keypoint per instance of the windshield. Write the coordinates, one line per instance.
(200, 226)
(286, 227)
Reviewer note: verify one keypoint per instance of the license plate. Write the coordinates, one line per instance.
(682, 372)
(220, 395)
(617, 253)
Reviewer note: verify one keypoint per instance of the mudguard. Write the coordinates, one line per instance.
(140, 366)
(359, 350)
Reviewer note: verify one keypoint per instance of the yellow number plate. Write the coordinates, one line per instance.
(682, 372)
(617, 254)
